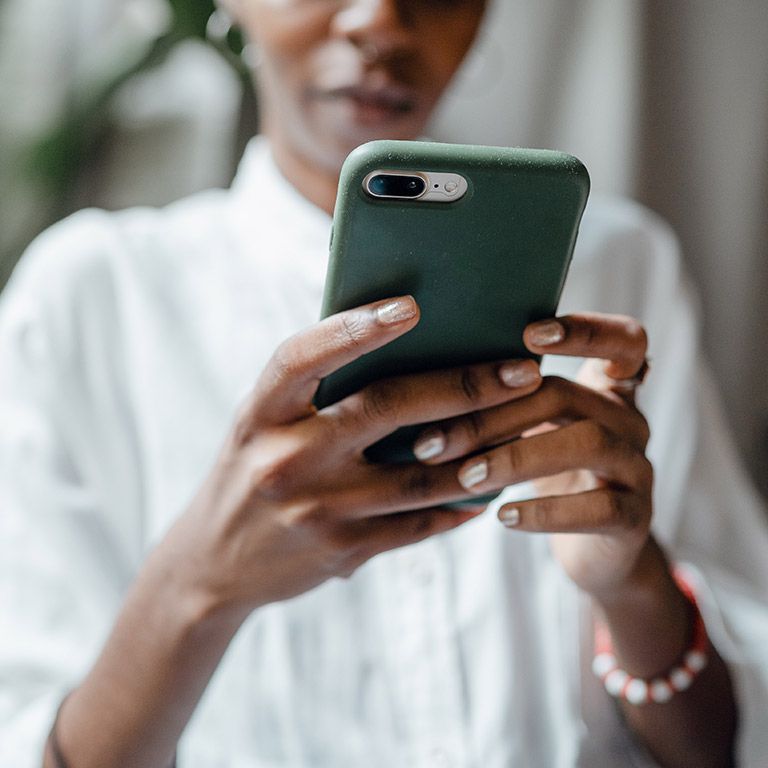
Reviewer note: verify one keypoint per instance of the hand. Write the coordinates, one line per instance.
(292, 501)
(583, 443)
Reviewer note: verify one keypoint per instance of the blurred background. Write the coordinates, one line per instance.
(122, 102)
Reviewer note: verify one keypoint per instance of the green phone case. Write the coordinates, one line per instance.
(481, 268)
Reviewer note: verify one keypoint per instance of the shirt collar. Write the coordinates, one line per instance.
(260, 185)
(277, 227)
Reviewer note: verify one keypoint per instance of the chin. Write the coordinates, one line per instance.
(332, 137)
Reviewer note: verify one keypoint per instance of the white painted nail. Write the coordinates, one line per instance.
(510, 516)
(518, 374)
(474, 474)
(546, 333)
(429, 445)
(397, 311)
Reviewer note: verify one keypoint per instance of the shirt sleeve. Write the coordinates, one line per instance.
(707, 514)
(721, 538)
(69, 488)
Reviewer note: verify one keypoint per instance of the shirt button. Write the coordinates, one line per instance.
(440, 758)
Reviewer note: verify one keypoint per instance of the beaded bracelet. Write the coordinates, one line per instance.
(637, 690)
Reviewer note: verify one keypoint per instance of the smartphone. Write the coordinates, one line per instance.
(481, 237)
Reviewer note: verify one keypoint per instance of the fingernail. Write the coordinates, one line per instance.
(429, 445)
(546, 333)
(473, 474)
(510, 516)
(397, 311)
(518, 374)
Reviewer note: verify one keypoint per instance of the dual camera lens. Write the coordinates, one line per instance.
(396, 185)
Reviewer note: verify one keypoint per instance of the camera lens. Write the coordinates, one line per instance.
(393, 185)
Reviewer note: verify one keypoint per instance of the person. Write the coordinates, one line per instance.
(203, 567)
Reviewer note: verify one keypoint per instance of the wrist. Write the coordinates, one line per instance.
(664, 685)
(647, 615)
(183, 599)
(166, 643)
(192, 573)
(648, 577)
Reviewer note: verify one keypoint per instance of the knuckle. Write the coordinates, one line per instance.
(643, 429)
(421, 525)
(633, 516)
(353, 558)
(378, 400)
(270, 479)
(348, 571)
(419, 483)
(620, 512)
(350, 330)
(273, 472)
(474, 425)
(311, 514)
(596, 439)
(558, 393)
(645, 472)
(591, 335)
(345, 549)
(336, 557)
(557, 384)
(469, 384)
(339, 550)
(514, 461)
(612, 508)
(541, 513)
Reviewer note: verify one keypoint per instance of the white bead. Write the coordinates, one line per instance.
(680, 679)
(695, 661)
(637, 691)
(615, 681)
(661, 691)
(603, 663)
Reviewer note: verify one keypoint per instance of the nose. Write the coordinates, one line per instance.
(376, 27)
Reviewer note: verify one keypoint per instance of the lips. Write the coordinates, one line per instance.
(372, 103)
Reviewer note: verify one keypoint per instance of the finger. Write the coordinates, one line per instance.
(594, 374)
(380, 408)
(384, 489)
(582, 445)
(386, 532)
(557, 400)
(285, 389)
(603, 510)
(619, 339)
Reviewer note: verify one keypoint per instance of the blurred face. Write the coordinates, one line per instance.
(337, 73)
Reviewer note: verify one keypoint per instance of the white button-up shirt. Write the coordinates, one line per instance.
(126, 343)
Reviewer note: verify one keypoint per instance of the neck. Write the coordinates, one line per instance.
(317, 184)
